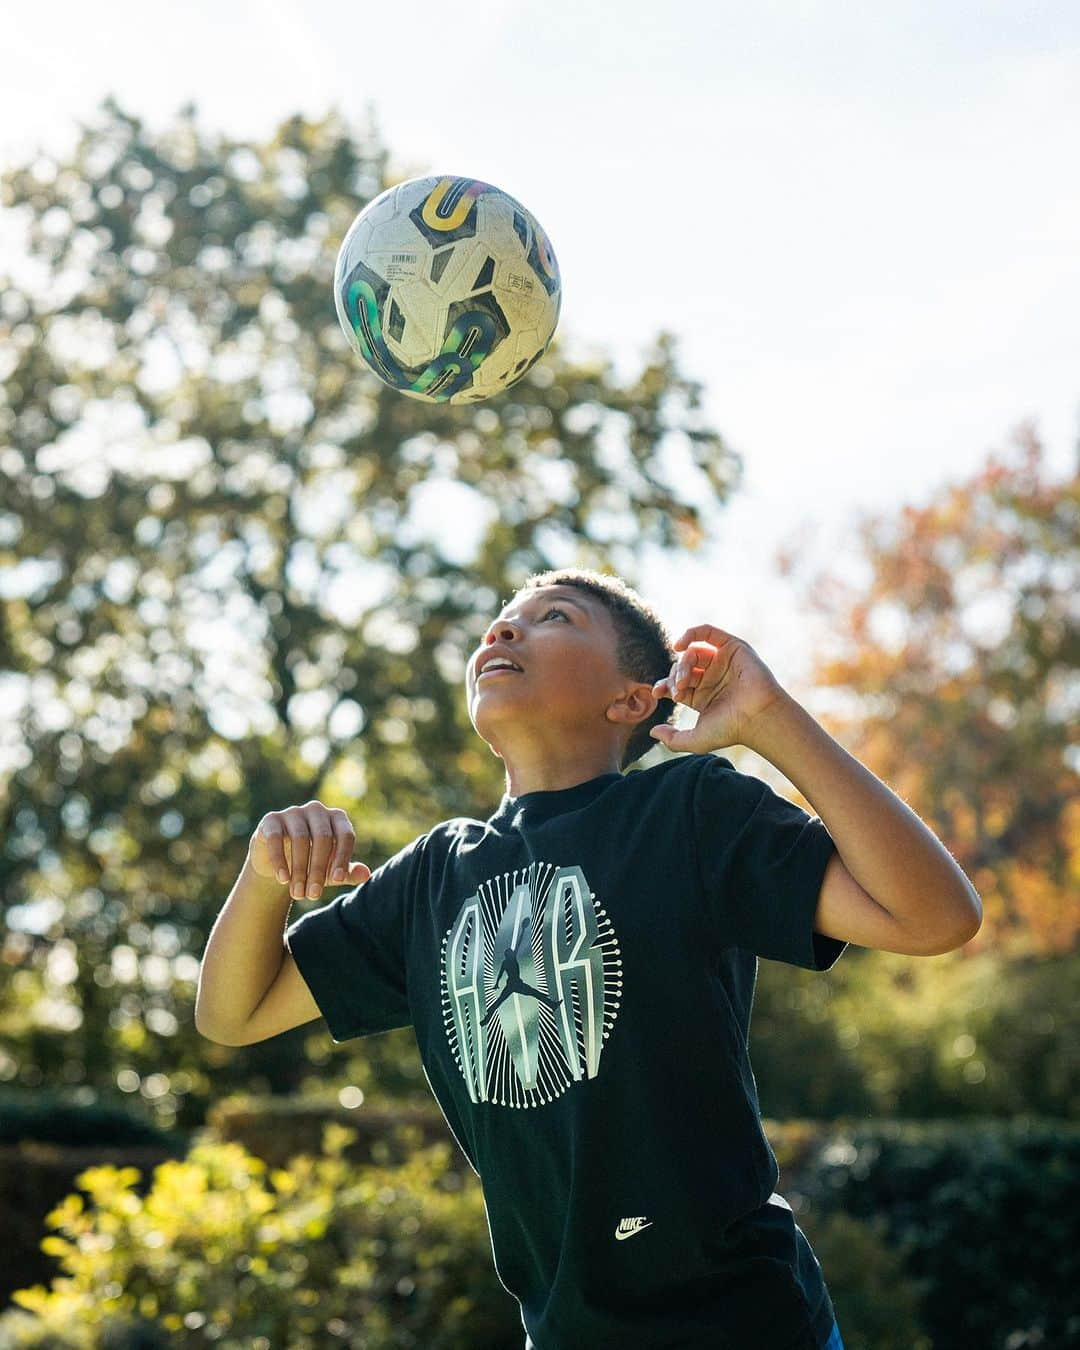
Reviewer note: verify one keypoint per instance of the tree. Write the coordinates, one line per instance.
(223, 596)
(959, 660)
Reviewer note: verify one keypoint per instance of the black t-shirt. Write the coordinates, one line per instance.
(579, 970)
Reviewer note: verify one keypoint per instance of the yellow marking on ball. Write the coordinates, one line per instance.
(460, 212)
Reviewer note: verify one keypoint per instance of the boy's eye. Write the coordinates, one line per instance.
(553, 610)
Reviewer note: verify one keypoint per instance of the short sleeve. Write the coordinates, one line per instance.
(351, 952)
(761, 861)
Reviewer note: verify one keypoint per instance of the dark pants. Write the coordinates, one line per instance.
(833, 1343)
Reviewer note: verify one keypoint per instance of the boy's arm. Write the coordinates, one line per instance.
(894, 886)
(249, 986)
(243, 956)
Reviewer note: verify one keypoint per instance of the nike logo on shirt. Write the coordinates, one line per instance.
(628, 1227)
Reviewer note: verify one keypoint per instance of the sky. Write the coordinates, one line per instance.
(861, 223)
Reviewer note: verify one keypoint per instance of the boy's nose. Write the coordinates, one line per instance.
(503, 630)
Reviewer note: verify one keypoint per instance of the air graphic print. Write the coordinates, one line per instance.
(531, 985)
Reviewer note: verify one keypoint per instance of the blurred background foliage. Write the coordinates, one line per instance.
(386, 1245)
(237, 572)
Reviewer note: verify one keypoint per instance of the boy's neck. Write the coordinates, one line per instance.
(555, 776)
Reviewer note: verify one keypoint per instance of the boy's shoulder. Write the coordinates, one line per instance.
(678, 774)
(690, 763)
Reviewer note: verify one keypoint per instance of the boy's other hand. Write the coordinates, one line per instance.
(727, 684)
(306, 847)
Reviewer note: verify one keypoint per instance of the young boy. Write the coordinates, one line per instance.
(579, 968)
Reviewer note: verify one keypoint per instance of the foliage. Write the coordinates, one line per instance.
(243, 572)
(55, 1117)
(959, 663)
(276, 1128)
(875, 1300)
(984, 1214)
(939, 1235)
(308, 1255)
(886, 1035)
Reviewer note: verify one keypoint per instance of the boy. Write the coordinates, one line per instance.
(579, 968)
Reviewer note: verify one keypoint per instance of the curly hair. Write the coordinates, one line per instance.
(643, 648)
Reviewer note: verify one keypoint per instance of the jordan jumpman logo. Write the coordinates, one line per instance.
(514, 983)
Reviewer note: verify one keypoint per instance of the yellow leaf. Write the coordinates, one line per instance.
(36, 1298)
(284, 1182)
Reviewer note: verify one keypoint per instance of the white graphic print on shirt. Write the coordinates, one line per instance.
(531, 985)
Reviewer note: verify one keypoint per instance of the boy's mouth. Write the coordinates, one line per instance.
(494, 660)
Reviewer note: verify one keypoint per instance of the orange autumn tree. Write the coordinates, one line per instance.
(959, 660)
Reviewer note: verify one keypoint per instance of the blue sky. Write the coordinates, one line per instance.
(862, 224)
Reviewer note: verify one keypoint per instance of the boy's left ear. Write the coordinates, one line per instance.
(635, 705)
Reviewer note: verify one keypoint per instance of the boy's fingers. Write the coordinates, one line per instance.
(300, 847)
(354, 872)
(344, 838)
(310, 847)
(697, 654)
(322, 846)
(275, 848)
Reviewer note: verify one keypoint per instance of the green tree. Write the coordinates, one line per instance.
(222, 595)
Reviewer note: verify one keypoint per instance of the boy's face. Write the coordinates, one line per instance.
(565, 642)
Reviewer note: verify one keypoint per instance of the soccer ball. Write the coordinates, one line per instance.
(447, 288)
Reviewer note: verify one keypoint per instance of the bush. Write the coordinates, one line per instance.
(56, 1118)
(21, 1332)
(877, 1303)
(982, 1213)
(46, 1139)
(277, 1128)
(324, 1253)
(948, 1235)
(889, 1035)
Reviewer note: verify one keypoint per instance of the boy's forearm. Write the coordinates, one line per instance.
(884, 845)
(243, 954)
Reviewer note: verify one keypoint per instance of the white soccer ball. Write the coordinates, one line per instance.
(447, 288)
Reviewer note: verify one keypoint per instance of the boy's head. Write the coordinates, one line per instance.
(586, 673)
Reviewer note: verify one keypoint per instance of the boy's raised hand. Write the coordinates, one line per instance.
(306, 847)
(727, 684)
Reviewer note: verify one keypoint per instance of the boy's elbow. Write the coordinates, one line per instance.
(974, 914)
(215, 1035)
(958, 936)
